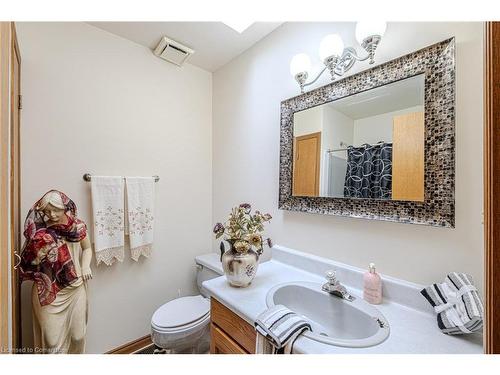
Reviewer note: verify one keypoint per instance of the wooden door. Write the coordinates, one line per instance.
(4, 184)
(15, 188)
(408, 157)
(306, 165)
(9, 184)
(492, 188)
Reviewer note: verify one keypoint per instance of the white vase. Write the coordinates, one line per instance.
(240, 268)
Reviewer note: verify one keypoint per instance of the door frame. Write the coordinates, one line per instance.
(492, 187)
(15, 189)
(10, 326)
(5, 39)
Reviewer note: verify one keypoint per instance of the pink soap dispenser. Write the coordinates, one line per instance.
(372, 291)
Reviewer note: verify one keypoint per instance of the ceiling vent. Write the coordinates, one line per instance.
(172, 51)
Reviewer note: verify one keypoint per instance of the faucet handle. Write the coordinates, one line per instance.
(331, 276)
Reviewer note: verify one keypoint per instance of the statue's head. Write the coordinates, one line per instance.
(52, 206)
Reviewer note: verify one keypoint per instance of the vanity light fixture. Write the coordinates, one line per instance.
(337, 58)
(299, 68)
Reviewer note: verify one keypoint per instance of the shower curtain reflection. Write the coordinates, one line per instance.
(369, 171)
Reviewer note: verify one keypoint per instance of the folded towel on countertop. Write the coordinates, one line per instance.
(457, 304)
(277, 329)
(108, 214)
(140, 215)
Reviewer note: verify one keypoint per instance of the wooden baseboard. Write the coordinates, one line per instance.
(132, 346)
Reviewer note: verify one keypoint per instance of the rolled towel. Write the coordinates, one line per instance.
(277, 329)
(457, 304)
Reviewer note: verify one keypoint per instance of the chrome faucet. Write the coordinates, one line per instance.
(334, 287)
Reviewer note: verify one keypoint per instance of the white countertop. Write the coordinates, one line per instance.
(412, 330)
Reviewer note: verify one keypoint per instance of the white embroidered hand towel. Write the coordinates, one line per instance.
(140, 214)
(107, 205)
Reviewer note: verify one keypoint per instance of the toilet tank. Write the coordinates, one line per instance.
(208, 267)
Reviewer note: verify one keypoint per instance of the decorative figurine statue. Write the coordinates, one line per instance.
(56, 257)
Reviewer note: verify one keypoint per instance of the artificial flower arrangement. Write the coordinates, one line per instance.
(243, 230)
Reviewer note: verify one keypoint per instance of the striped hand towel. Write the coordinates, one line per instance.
(457, 304)
(277, 329)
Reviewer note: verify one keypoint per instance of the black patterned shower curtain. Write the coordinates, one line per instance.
(369, 171)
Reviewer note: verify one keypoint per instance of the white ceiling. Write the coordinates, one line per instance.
(215, 43)
(392, 97)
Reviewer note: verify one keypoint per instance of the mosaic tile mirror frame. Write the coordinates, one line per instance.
(437, 63)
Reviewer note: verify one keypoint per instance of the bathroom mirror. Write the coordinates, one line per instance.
(379, 144)
(367, 145)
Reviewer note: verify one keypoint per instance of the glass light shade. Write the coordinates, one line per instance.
(331, 45)
(369, 28)
(300, 63)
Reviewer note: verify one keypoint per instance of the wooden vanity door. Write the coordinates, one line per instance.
(221, 343)
(229, 333)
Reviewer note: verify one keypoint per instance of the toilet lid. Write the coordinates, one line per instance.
(181, 311)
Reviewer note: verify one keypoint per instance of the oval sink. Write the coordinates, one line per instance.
(334, 321)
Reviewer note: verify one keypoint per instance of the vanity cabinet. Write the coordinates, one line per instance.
(229, 333)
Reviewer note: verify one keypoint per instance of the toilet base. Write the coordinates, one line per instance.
(194, 350)
(194, 342)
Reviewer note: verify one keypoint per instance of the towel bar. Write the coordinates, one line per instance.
(87, 177)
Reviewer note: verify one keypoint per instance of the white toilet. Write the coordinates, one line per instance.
(183, 324)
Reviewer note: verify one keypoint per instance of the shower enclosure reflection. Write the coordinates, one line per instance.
(368, 145)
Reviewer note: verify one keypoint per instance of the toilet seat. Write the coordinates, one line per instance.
(181, 314)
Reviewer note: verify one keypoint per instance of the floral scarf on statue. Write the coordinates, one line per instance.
(45, 258)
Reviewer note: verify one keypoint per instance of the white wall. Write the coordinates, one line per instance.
(378, 128)
(337, 129)
(308, 121)
(94, 102)
(246, 120)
